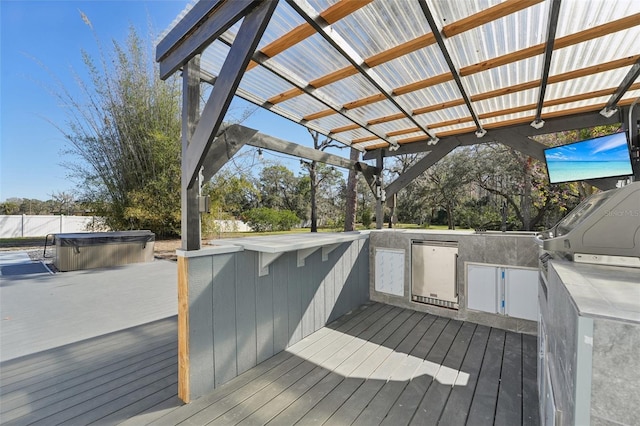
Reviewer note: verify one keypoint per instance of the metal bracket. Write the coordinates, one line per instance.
(266, 259)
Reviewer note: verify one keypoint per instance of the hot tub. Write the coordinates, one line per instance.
(102, 249)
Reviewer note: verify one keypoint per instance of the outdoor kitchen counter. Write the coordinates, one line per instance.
(598, 291)
(291, 242)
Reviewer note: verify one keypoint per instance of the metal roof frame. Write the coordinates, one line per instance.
(399, 75)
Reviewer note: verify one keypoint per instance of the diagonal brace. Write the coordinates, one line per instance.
(251, 30)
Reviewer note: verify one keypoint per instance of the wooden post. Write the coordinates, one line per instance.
(379, 202)
(190, 225)
(183, 330)
(190, 114)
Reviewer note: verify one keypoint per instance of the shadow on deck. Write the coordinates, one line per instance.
(377, 365)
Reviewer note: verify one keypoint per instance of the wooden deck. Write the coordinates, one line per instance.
(378, 365)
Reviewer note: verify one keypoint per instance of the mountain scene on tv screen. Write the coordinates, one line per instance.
(601, 157)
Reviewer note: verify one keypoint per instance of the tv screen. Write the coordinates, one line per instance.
(604, 156)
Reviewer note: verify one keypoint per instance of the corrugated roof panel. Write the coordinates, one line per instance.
(446, 12)
(586, 84)
(599, 50)
(580, 15)
(355, 134)
(302, 105)
(374, 28)
(415, 66)
(433, 95)
(505, 35)
(375, 110)
(320, 58)
(263, 83)
(349, 89)
(525, 114)
(505, 76)
(453, 127)
(445, 114)
(396, 125)
(511, 100)
(284, 20)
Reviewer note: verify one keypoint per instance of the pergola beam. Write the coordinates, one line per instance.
(624, 86)
(207, 77)
(552, 125)
(554, 11)
(251, 30)
(302, 85)
(570, 75)
(487, 15)
(272, 143)
(452, 68)
(196, 32)
(303, 31)
(332, 37)
(528, 52)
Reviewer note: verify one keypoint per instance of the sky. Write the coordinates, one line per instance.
(41, 41)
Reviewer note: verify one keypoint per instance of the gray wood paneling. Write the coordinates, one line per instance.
(318, 273)
(265, 322)
(363, 270)
(246, 326)
(201, 358)
(224, 318)
(280, 273)
(307, 307)
(251, 317)
(329, 287)
(294, 294)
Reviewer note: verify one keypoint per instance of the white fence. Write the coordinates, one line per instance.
(13, 226)
(231, 226)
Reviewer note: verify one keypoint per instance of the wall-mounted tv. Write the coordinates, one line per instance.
(604, 156)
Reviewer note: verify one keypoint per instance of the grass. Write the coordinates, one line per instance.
(39, 241)
(307, 230)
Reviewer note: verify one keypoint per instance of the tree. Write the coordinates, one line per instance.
(280, 189)
(314, 179)
(124, 131)
(447, 182)
(351, 196)
(62, 203)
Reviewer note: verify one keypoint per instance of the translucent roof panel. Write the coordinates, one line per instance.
(433, 95)
(496, 47)
(349, 89)
(311, 47)
(500, 103)
(500, 37)
(580, 15)
(415, 66)
(374, 28)
(504, 76)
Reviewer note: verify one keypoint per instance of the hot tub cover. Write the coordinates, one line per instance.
(98, 238)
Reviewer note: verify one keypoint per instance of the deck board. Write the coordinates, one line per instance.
(376, 365)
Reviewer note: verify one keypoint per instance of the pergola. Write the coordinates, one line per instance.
(388, 77)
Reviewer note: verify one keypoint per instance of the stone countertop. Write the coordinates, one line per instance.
(610, 292)
(465, 232)
(291, 242)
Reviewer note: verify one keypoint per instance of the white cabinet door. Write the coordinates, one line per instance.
(521, 293)
(482, 288)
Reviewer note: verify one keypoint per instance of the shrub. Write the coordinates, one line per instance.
(264, 219)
